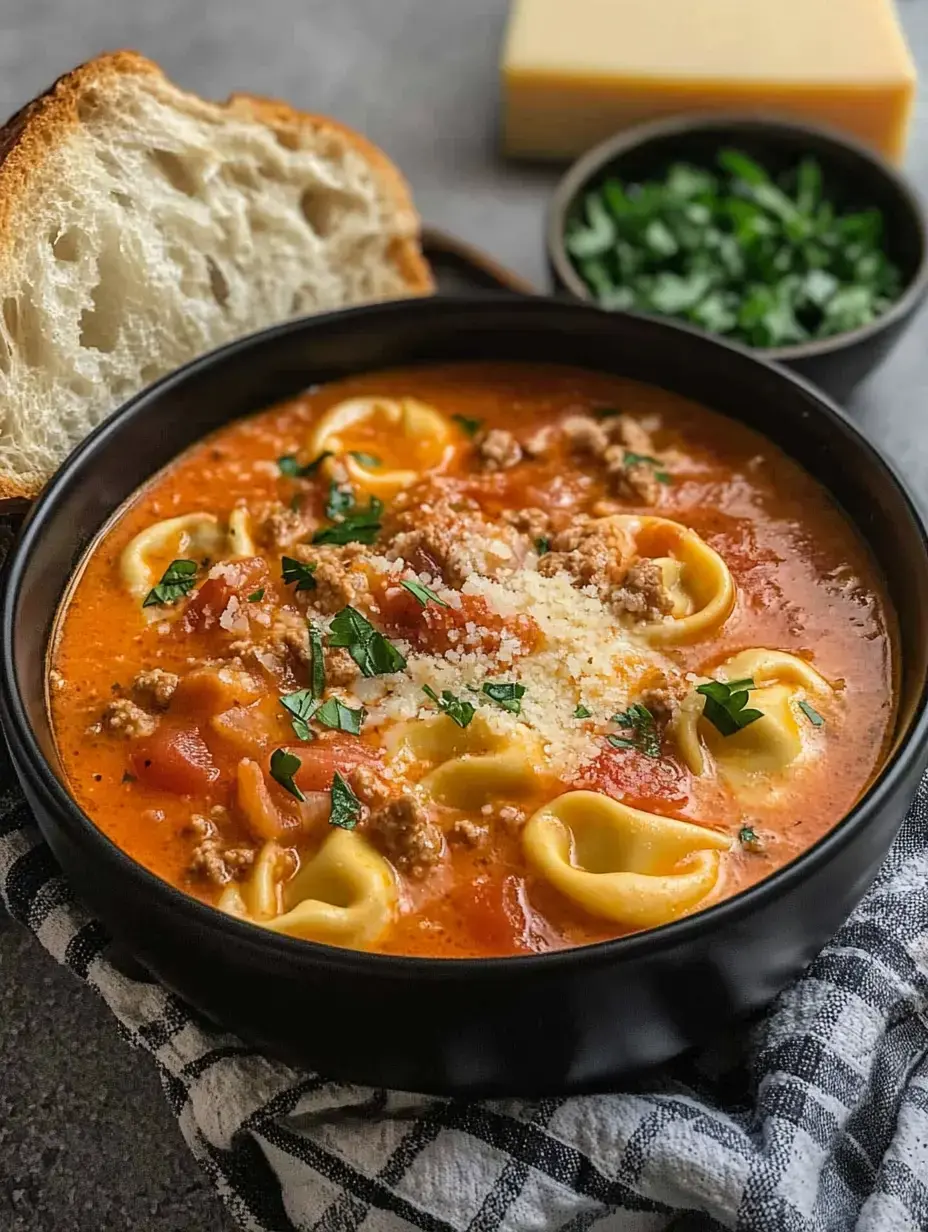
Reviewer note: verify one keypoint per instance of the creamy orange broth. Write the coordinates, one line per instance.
(805, 584)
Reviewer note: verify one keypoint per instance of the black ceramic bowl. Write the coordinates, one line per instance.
(855, 178)
(568, 1021)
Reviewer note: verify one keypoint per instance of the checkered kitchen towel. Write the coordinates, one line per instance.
(815, 1118)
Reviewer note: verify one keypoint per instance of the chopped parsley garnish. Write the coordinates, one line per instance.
(455, 708)
(470, 426)
(256, 596)
(422, 593)
(301, 706)
(289, 465)
(339, 502)
(369, 460)
(725, 703)
(284, 766)
(748, 837)
(644, 735)
(644, 459)
(353, 524)
(582, 713)
(317, 665)
(506, 694)
(811, 714)
(374, 654)
(606, 412)
(542, 546)
(177, 580)
(334, 713)
(297, 571)
(345, 805)
(767, 256)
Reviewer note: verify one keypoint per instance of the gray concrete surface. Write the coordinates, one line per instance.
(86, 1143)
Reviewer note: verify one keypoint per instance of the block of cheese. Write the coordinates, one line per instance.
(576, 71)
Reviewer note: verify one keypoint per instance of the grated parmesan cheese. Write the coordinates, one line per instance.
(585, 655)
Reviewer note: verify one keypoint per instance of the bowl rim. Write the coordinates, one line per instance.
(276, 949)
(634, 138)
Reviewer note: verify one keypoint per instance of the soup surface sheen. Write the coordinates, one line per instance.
(473, 660)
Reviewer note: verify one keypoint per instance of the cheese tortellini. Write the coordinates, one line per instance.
(474, 765)
(751, 758)
(636, 869)
(696, 577)
(418, 428)
(196, 536)
(345, 895)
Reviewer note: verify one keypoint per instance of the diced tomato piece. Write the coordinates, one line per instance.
(639, 781)
(240, 578)
(492, 910)
(326, 754)
(436, 629)
(175, 759)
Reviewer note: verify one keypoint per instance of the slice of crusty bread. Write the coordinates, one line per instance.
(141, 226)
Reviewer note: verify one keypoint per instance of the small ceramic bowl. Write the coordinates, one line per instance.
(855, 177)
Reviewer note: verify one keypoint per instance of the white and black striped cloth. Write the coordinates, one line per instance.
(816, 1117)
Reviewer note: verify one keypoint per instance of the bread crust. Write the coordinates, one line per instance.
(44, 123)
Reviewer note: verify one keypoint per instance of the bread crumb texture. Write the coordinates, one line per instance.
(141, 226)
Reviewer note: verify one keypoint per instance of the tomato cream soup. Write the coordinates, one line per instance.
(473, 660)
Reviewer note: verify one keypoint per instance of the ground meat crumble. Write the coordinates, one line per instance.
(210, 859)
(338, 583)
(280, 527)
(611, 441)
(439, 533)
(156, 687)
(498, 450)
(643, 592)
(124, 718)
(401, 829)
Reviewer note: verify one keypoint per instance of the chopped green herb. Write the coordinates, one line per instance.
(470, 426)
(284, 766)
(766, 259)
(373, 653)
(369, 460)
(582, 713)
(749, 838)
(542, 546)
(455, 708)
(177, 580)
(811, 714)
(644, 736)
(339, 502)
(345, 805)
(422, 593)
(334, 713)
(506, 694)
(301, 706)
(643, 459)
(128, 778)
(256, 596)
(725, 703)
(289, 465)
(297, 571)
(605, 412)
(355, 524)
(317, 665)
